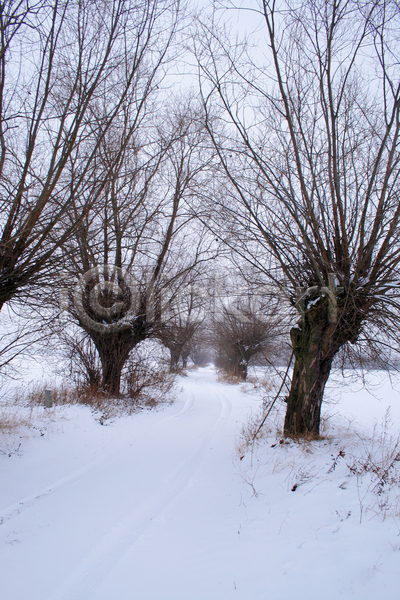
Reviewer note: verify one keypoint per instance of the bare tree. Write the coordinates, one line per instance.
(243, 330)
(182, 317)
(311, 160)
(67, 69)
(138, 242)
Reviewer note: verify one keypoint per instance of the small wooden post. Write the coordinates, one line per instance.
(48, 398)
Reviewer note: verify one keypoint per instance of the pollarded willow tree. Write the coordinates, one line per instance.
(309, 147)
(138, 242)
(241, 335)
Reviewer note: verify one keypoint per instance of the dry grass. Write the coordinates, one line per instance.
(373, 461)
(143, 387)
(145, 384)
(377, 469)
(11, 422)
(13, 426)
(271, 428)
(305, 438)
(253, 382)
(262, 383)
(223, 377)
(34, 395)
(142, 392)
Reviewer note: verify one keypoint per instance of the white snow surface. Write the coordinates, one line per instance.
(159, 505)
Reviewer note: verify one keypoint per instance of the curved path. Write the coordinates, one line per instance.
(101, 530)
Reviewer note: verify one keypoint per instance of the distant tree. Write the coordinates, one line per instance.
(182, 318)
(200, 351)
(177, 339)
(245, 327)
(309, 145)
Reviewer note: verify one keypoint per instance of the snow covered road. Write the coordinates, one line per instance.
(156, 507)
(74, 536)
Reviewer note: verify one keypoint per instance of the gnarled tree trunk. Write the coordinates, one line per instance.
(114, 353)
(241, 369)
(113, 362)
(315, 344)
(114, 348)
(174, 360)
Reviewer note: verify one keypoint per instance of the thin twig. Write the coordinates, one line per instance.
(275, 399)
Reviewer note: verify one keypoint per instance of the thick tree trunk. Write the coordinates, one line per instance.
(174, 360)
(315, 346)
(114, 349)
(113, 358)
(303, 413)
(239, 369)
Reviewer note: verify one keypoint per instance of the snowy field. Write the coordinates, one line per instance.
(172, 505)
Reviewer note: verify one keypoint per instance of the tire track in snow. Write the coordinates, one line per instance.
(105, 556)
(24, 504)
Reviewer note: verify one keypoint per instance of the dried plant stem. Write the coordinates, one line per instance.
(274, 400)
